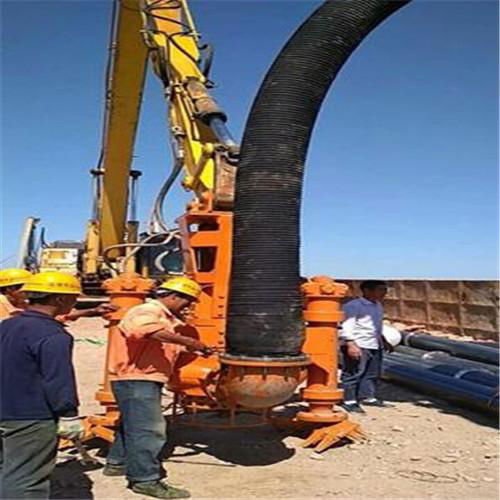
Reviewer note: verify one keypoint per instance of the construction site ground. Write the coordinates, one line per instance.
(420, 448)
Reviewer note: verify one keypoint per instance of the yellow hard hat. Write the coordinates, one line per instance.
(11, 277)
(182, 285)
(53, 282)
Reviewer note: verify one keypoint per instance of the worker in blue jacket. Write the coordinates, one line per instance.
(38, 396)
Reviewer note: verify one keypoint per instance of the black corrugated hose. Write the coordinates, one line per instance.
(265, 305)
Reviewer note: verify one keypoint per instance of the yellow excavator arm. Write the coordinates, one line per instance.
(125, 77)
(162, 30)
(197, 124)
(125, 81)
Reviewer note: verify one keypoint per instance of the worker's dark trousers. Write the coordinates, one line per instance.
(28, 451)
(360, 376)
(142, 433)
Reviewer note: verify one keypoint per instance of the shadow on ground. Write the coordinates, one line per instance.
(261, 445)
(249, 447)
(70, 480)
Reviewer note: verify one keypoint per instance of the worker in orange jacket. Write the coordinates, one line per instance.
(141, 361)
(13, 299)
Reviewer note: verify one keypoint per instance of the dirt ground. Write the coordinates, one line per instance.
(421, 448)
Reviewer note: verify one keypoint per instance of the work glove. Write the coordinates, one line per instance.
(70, 428)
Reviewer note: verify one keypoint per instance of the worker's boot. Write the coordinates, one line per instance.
(113, 470)
(378, 403)
(157, 489)
(353, 408)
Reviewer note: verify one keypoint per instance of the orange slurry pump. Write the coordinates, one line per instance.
(225, 384)
(322, 314)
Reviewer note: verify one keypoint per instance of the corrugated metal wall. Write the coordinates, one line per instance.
(461, 307)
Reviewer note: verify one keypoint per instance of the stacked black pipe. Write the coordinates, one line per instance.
(445, 357)
(450, 369)
(463, 350)
(461, 372)
(483, 398)
(265, 307)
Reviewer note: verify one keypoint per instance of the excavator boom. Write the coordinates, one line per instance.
(124, 86)
(202, 146)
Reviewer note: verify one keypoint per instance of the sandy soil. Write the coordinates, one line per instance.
(421, 448)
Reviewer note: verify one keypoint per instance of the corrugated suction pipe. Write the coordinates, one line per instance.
(265, 307)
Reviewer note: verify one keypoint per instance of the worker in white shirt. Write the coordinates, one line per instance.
(363, 347)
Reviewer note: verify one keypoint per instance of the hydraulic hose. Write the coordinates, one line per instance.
(265, 305)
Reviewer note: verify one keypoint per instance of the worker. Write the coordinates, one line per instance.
(363, 346)
(38, 396)
(142, 357)
(13, 300)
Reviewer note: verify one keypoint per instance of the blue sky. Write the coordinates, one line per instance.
(402, 173)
